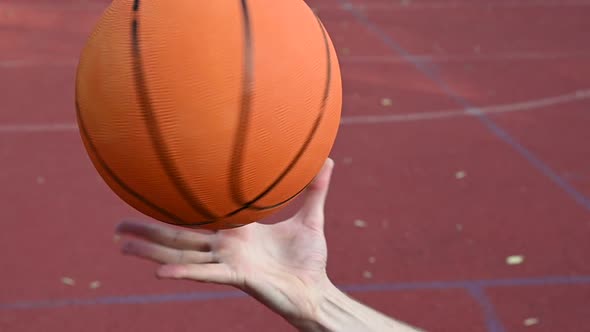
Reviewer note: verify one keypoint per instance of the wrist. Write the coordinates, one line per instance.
(333, 310)
(297, 300)
(324, 297)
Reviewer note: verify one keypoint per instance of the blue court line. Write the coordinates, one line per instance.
(430, 71)
(492, 322)
(466, 284)
(124, 299)
(388, 287)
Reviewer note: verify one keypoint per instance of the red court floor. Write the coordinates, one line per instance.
(464, 141)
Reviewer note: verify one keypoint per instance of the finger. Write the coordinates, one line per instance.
(165, 255)
(210, 273)
(312, 210)
(166, 235)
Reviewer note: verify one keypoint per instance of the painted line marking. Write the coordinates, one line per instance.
(496, 109)
(221, 295)
(450, 5)
(361, 59)
(431, 72)
(462, 58)
(376, 6)
(530, 105)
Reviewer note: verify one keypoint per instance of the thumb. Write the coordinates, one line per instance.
(312, 211)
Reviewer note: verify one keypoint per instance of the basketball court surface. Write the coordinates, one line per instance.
(460, 198)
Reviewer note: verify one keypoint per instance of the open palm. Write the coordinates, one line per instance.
(282, 265)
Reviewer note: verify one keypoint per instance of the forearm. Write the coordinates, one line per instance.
(336, 312)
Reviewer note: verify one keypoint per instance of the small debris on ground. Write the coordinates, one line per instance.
(530, 321)
(459, 227)
(95, 284)
(68, 281)
(347, 161)
(40, 180)
(460, 175)
(372, 260)
(367, 275)
(514, 260)
(360, 223)
(386, 102)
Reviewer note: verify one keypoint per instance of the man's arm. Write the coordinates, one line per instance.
(338, 312)
(281, 265)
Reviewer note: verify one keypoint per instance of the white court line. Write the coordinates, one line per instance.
(505, 108)
(53, 7)
(403, 5)
(385, 5)
(476, 57)
(365, 119)
(21, 63)
(361, 59)
(38, 128)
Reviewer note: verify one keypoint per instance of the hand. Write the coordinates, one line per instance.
(282, 265)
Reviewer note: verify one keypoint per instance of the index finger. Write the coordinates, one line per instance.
(166, 235)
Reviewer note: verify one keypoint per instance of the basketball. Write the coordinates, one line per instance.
(208, 114)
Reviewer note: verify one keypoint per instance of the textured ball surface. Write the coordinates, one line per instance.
(209, 114)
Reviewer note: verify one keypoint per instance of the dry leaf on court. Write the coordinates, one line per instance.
(68, 281)
(386, 102)
(514, 260)
(530, 321)
(95, 284)
(460, 175)
(360, 223)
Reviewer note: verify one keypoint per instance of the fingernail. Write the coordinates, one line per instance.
(331, 164)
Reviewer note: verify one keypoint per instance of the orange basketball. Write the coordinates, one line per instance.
(209, 114)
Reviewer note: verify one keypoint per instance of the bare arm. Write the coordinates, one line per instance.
(337, 312)
(282, 265)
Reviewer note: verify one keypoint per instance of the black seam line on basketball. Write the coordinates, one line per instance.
(117, 179)
(314, 129)
(266, 208)
(246, 207)
(245, 108)
(158, 143)
(270, 207)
